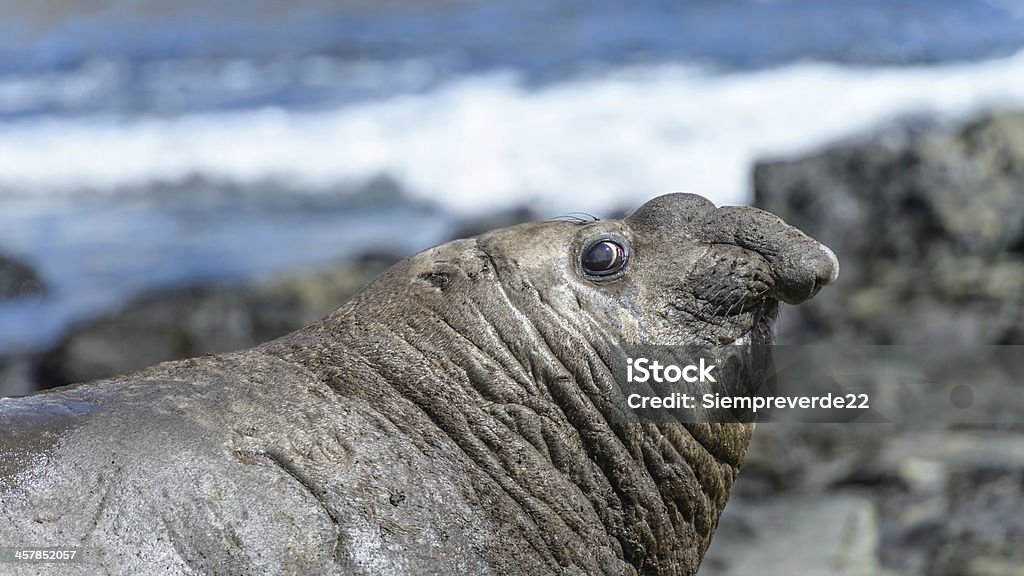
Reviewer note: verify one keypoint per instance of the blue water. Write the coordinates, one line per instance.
(150, 144)
(96, 252)
(148, 57)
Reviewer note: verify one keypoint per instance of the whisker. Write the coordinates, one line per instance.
(576, 217)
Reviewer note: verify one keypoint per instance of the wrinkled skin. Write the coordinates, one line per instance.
(451, 418)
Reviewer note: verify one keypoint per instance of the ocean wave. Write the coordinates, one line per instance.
(492, 141)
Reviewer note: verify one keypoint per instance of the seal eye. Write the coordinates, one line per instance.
(604, 258)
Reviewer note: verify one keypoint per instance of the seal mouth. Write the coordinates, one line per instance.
(762, 329)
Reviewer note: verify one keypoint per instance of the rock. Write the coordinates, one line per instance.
(929, 227)
(963, 449)
(785, 457)
(825, 535)
(985, 520)
(18, 280)
(974, 526)
(192, 321)
(16, 376)
(988, 566)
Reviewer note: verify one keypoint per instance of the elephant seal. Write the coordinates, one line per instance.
(450, 418)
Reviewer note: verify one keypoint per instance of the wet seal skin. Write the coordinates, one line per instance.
(451, 418)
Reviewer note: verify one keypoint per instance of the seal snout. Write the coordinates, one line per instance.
(815, 266)
(800, 265)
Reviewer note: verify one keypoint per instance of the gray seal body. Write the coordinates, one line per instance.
(451, 418)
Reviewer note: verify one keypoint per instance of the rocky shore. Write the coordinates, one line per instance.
(18, 280)
(197, 320)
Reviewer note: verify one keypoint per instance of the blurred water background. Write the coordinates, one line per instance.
(146, 143)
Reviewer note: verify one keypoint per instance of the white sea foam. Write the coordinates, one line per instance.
(489, 141)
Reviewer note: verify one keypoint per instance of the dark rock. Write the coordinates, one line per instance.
(928, 226)
(791, 457)
(18, 280)
(16, 375)
(192, 321)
